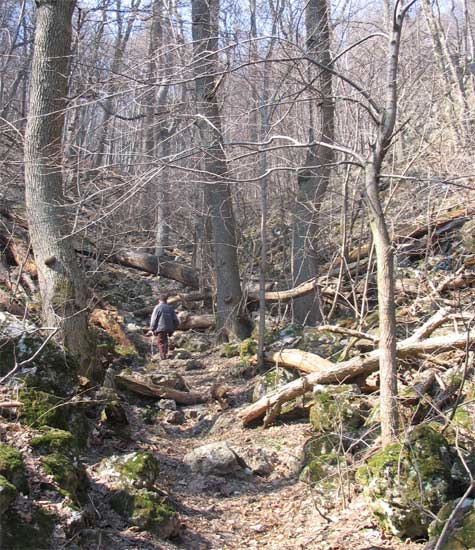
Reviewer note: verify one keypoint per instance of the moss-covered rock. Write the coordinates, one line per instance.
(315, 447)
(147, 510)
(338, 408)
(68, 473)
(52, 370)
(139, 469)
(461, 534)
(54, 441)
(247, 349)
(8, 494)
(42, 409)
(467, 233)
(325, 344)
(18, 533)
(12, 467)
(324, 471)
(403, 480)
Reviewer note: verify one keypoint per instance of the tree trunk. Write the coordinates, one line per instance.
(229, 311)
(61, 281)
(314, 177)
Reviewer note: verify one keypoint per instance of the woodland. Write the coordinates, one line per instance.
(298, 178)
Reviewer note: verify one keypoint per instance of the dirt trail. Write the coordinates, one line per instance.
(273, 512)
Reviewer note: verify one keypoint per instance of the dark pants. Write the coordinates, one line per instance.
(162, 343)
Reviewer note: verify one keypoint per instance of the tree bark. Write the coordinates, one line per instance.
(230, 322)
(314, 177)
(61, 282)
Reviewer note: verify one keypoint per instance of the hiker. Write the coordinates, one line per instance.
(163, 324)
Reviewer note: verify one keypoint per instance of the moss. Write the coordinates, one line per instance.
(42, 409)
(338, 407)
(247, 348)
(12, 467)
(142, 468)
(403, 479)
(66, 473)
(8, 494)
(126, 351)
(229, 349)
(54, 440)
(35, 534)
(147, 510)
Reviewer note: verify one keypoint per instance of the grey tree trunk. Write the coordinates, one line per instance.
(205, 28)
(61, 281)
(314, 177)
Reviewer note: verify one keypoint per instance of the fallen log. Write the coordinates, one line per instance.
(195, 322)
(300, 360)
(164, 266)
(347, 332)
(10, 404)
(149, 389)
(345, 371)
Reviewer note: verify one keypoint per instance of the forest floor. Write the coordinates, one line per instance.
(273, 512)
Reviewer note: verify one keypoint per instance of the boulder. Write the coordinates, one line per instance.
(214, 459)
(139, 469)
(147, 510)
(53, 370)
(68, 473)
(461, 533)
(52, 440)
(31, 533)
(338, 409)
(259, 460)
(405, 480)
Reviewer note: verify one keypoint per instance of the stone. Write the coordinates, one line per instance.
(327, 471)
(53, 370)
(214, 459)
(147, 510)
(68, 473)
(193, 364)
(259, 460)
(175, 417)
(167, 405)
(181, 354)
(139, 469)
(175, 381)
(338, 408)
(53, 440)
(404, 480)
(461, 533)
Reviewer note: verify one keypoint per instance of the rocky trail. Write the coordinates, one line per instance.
(223, 504)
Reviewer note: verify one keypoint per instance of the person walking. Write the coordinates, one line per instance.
(163, 323)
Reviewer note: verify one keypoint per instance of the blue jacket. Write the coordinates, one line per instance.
(164, 319)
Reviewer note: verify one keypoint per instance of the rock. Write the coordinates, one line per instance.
(259, 460)
(12, 467)
(113, 414)
(193, 364)
(68, 473)
(181, 354)
(175, 417)
(132, 327)
(147, 510)
(44, 409)
(467, 232)
(53, 370)
(338, 408)
(189, 341)
(53, 441)
(461, 534)
(214, 459)
(327, 471)
(272, 380)
(167, 405)
(403, 480)
(247, 349)
(195, 411)
(315, 447)
(139, 469)
(8, 494)
(32, 533)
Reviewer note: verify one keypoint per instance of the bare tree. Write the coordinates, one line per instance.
(205, 28)
(61, 281)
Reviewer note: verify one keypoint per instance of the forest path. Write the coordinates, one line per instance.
(273, 512)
